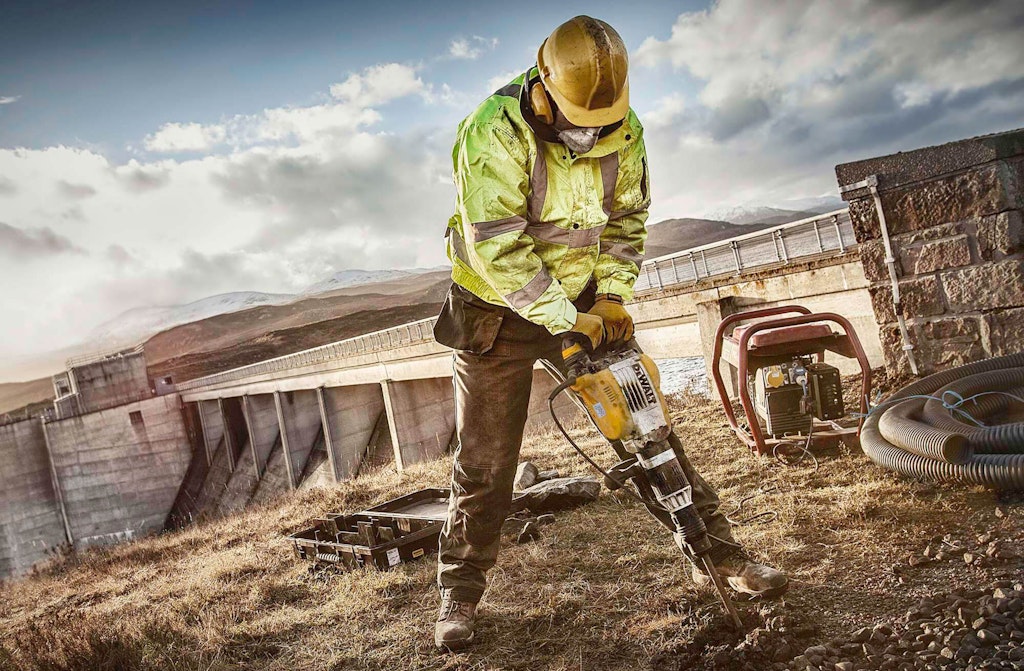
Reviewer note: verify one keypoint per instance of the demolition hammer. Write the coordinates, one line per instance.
(621, 392)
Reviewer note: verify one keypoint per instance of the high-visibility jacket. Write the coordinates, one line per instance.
(534, 222)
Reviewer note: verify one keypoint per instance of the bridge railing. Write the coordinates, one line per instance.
(94, 357)
(825, 234)
(830, 233)
(413, 333)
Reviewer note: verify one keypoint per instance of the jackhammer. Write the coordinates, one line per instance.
(620, 390)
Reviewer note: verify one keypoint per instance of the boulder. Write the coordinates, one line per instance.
(559, 494)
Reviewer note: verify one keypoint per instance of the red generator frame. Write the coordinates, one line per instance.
(772, 340)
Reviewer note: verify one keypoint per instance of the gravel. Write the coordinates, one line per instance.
(964, 629)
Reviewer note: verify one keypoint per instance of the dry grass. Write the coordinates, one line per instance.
(604, 588)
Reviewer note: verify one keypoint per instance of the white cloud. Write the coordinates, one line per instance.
(666, 111)
(471, 48)
(496, 82)
(787, 92)
(378, 85)
(185, 137)
(7, 100)
(274, 202)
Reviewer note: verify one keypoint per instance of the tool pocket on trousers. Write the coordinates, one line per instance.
(465, 326)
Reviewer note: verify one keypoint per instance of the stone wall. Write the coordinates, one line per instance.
(954, 218)
(119, 470)
(30, 520)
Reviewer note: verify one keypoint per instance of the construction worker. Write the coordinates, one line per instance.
(547, 237)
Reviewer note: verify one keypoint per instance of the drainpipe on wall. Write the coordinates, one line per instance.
(871, 183)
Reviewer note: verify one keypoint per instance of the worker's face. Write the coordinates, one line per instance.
(578, 139)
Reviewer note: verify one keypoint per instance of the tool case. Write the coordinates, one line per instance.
(386, 535)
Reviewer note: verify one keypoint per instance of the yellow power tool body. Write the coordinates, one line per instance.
(621, 391)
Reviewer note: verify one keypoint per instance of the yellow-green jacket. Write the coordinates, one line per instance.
(533, 222)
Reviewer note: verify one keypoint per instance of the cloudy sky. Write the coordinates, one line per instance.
(157, 153)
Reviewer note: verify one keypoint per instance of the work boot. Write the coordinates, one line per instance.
(745, 575)
(455, 623)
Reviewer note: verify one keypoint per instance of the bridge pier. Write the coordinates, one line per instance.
(244, 475)
(265, 440)
(709, 316)
(349, 416)
(212, 427)
(421, 417)
(538, 418)
(298, 415)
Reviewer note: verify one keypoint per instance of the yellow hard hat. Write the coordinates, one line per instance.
(583, 66)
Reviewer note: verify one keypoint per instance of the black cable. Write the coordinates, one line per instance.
(551, 409)
(761, 518)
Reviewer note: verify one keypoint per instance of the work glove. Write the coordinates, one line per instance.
(617, 322)
(591, 326)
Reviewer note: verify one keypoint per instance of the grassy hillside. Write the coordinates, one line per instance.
(604, 589)
(226, 330)
(285, 341)
(14, 395)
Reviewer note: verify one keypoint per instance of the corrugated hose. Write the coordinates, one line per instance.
(936, 427)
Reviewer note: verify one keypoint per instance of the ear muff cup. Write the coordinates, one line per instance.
(541, 104)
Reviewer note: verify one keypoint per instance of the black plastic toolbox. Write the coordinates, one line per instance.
(392, 533)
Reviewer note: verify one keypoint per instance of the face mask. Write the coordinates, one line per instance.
(579, 140)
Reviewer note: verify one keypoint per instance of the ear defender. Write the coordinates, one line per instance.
(541, 104)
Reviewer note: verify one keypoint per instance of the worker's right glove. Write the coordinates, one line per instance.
(617, 322)
(591, 326)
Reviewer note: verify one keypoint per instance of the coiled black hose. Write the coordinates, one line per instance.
(998, 451)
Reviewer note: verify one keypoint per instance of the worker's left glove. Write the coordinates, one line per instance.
(617, 322)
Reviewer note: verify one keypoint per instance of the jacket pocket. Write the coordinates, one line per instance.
(466, 326)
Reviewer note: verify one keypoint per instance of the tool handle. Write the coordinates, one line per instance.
(575, 349)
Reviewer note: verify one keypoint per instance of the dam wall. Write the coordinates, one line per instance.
(118, 470)
(30, 520)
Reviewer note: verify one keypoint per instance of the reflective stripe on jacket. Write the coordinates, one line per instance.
(534, 222)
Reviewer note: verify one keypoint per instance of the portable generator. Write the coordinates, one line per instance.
(785, 388)
(788, 396)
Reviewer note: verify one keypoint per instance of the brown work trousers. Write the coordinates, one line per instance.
(496, 350)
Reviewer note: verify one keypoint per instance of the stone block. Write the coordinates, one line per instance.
(921, 297)
(953, 341)
(896, 363)
(1007, 331)
(931, 234)
(872, 258)
(1015, 170)
(928, 257)
(929, 162)
(985, 287)
(1000, 235)
(864, 219)
(968, 195)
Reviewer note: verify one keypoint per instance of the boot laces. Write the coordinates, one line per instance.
(450, 607)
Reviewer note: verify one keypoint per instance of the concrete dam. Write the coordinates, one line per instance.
(121, 455)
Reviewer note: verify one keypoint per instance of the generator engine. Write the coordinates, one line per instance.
(788, 396)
